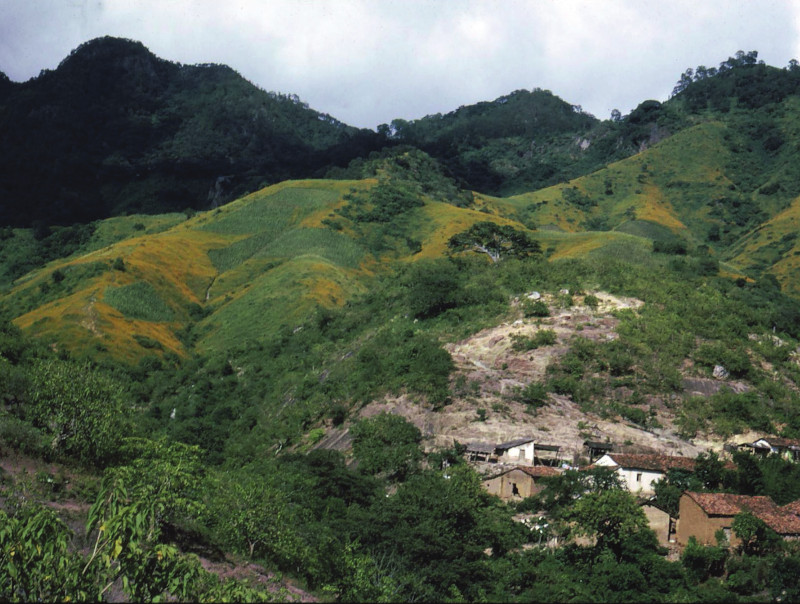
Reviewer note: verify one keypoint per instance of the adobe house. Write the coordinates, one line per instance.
(701, 515)
(639, 472)
(519, 482)
(525, 450)
(788, 448)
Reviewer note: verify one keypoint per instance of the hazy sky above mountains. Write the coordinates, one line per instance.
(367, 62)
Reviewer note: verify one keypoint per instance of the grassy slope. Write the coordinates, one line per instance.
(269, 258)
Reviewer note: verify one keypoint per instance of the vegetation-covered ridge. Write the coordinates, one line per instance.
(116, 130)
(199, 391)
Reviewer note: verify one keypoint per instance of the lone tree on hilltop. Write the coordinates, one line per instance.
(495, 241)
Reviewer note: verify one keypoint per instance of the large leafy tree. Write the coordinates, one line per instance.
(612, 517)
(387, 444)
(81, 409)
(495, 240)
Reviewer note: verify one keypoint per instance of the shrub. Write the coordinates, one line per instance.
(543, 337)
(533, 395)
(535, 308)
(591, 301)
(386, 444)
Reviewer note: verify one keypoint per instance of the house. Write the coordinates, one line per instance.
(639, 472)
(518, 482)
(788, 448)
(525, 450)
(703, 514)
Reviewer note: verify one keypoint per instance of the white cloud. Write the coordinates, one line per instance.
(367, 62)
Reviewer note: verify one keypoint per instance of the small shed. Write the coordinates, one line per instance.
(527, 451)
(479, 451)
(788, 448)
(519, 482)
(597, 449)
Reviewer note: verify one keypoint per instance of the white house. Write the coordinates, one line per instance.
(639, 472)
(527, 451)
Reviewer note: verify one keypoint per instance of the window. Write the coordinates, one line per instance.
(638, 477)
(514, 489)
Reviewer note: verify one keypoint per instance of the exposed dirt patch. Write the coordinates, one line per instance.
(489, 372)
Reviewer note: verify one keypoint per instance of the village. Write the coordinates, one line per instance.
(518, 469)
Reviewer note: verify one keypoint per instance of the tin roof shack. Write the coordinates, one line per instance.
(518, 483)
(525, 450)
(479, 452)
(639, 472)
(701, 515)
(597, 449)
(788, 448)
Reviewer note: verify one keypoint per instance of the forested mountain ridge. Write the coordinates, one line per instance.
(115, 130)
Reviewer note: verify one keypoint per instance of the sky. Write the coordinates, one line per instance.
(367, 62)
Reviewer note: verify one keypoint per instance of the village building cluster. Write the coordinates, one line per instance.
(517, 469)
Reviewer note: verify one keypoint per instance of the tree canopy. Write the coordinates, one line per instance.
(495, 240)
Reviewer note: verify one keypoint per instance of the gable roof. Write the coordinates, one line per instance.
(730, 504)
(596, 444)
(656, 463)
(793, 507)
(782, 520)
(479, 448)
(532, 471)
(514, 443)
(539, 471)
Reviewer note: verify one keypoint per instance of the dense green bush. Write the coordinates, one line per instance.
(387, 444)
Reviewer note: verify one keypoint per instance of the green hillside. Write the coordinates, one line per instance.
(270, 399)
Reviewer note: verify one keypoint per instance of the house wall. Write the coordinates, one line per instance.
(659, 522)
(694, 522)
(633, 479)
(522, 453)
(639, 481)
(503, 485)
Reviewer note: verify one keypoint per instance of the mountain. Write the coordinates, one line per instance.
(289, 378)
(116, 130)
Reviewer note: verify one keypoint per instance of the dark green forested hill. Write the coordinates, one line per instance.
(114, 130)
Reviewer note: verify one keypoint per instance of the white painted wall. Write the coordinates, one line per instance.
(634, 479)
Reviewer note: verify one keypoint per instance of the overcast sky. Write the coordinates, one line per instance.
(367, 62)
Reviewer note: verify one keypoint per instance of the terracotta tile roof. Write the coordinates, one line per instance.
(793, 507)
(539, 471)
(780, 519)
(532, 471)
(659, 463)
(729, 504)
